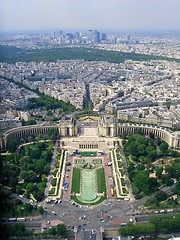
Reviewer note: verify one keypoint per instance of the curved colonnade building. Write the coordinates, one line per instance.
(107, 126)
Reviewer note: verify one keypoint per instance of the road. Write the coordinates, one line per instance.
(90, 218)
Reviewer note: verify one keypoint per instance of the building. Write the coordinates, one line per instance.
(106, 126)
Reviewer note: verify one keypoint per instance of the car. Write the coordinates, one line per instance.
(170, 210)
(156, 212)
(54, 213)
(123, 224)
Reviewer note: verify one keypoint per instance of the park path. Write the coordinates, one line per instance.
(108, 176)
(68, 178)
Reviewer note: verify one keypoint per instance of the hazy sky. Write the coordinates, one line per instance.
(89, 14)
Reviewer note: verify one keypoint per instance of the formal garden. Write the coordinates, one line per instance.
(118, 173)
(88, 181)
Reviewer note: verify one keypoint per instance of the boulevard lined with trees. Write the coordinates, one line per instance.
(159, 224)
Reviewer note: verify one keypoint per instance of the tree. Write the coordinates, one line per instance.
(166, 179)
(141, 149)
(177, 188)
(25, 159)
(53, 134)
(35, 152)
(140, 167)
(12, 145)
(153, 184)
(30, 187)
(169, 170)
(141, 181)
(50, 113)
(161, 196)
(131, 229)
(40, 209)
(23, 174)
(47, 155)
(28, 176)
(39, 165)
(159, 171)
(163, 147)
(61, 229)
(29, 122)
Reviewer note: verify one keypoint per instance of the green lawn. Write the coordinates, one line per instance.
(119, 164)
(101, 180)
(97, 161)
(99, 200)
(88, 154)
(76, 180)
(80, 161)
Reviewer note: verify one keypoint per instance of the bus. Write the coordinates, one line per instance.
(21, 219)
(12, 219)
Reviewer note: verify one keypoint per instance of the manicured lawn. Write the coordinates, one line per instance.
(118, 156)
(88, 154)
(123, 182)
(97, 161)
(76, 180)
(101, 180)
(119, 164)
(52, 191)
(80, 161)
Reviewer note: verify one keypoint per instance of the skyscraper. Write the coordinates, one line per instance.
(96, 36)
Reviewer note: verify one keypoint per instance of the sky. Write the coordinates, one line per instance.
(30, 15)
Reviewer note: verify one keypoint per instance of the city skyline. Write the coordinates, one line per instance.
(130, 15)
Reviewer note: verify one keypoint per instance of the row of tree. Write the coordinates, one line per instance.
(48, 103)
(18, 231)
(157, 225)
(43, 101)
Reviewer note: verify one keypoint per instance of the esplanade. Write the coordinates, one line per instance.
(106, 126)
